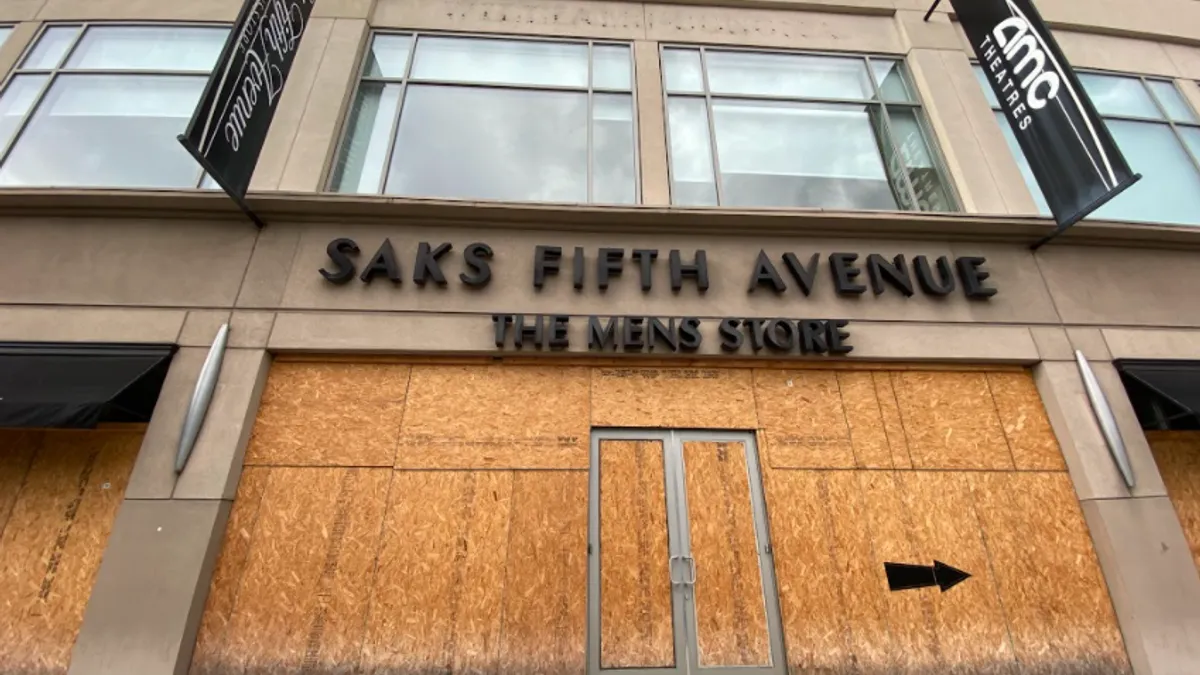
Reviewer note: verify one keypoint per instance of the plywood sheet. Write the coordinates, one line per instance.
(697, 398)
(951, 422)
(803, 421)
(1026, 426)
(1177, 454)
(635, 584)
(864, 416)
(436, 605)
(730, 605)
(893, 423)
(545, 598)
(17, 449)
(488, 417)
(329, 414)
(1060, 617)
(303, 596)
(53, 541)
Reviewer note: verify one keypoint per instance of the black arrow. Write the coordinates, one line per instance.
(902, 576)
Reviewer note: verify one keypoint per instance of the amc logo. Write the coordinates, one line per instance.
(1022, 49)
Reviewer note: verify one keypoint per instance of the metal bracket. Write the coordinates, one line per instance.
(931, 8)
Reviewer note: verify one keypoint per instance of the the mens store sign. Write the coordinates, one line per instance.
(1072, 155)
(230, 124)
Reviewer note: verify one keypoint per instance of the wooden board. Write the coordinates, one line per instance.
(329, 414)
(1026, 426)
(951, 422)
(893, 423)
(1177, 454)
(635, 585)
(696, 398)
(803, 421)
(17, 450)
(730, 605)
(53, 541)
(489, 417)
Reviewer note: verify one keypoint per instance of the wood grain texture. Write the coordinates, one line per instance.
(951, 422)
(635, 585)
(17, 450)
(697, 398)
(864, 417)
(52, 543)
(1177, 454)
(730, 606)
(496, 417)
(893, 423)
(804, 423)
(329, 414)
(1026, 426)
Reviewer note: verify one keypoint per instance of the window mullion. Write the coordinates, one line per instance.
(712, 129)
(70, 50)
(1187, 150)
(591, 114)
(891, 138)
(37, 103)
(395, 130)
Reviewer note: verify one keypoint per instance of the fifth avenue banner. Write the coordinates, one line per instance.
(1073, 156)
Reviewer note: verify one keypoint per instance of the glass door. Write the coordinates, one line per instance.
(679, 571)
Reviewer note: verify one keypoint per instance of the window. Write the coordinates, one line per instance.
(797, 130)
(4, 31)
(486, 118)
(101, 106)
(1158, 134)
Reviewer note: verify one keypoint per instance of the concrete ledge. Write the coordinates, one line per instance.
(1137, 343)
(89, 324)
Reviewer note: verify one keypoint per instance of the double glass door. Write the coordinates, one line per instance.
(680, 577)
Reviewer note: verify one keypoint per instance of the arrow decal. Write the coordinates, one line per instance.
(902, 576)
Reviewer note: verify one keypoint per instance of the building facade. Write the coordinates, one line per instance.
(593, 336)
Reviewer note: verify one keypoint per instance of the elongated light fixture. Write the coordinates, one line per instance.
(1104, 415)
(201, 397)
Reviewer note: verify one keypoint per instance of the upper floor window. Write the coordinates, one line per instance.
(1158, 133)
(488, 118)
(796, 130)
(101, 106)
(4, 31)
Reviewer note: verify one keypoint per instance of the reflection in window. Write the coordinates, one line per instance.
(4, 31)
(1158, 133)
(488, 118)
(63, 123)
(796, 130)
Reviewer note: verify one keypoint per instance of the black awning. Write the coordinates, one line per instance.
(79, 385)
(1165, 394)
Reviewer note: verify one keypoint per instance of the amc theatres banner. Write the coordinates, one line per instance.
(230, 124)
(1074, 158)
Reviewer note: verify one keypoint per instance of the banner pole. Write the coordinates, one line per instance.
(215, 175)
(931, 8)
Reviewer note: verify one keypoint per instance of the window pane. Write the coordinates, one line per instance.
(1191, 136)
(51, 47)
(364, 152)
(610, 67)
(108, 131)
(501, 61)
(4, 31)
(891, 79)
(1015, 148)
(1115, 95)
(800, 155)
(681, 68)
(149, 48)
(18, 98)
(613, 176)
(931, 191)
(788, 75)
(1169, 191)
(1171, 101)
(987, 88)
(463, 142)
(389, 56)
(691, 154)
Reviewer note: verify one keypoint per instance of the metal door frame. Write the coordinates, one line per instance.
(681, 565)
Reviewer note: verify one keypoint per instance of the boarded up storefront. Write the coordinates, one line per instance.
(434, 518)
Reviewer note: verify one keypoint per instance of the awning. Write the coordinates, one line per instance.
(79, 385)
(1163, 392)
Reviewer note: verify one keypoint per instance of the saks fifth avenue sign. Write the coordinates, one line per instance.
(850, 274)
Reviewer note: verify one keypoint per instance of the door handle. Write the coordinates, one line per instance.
(671, 569)
(692, 569)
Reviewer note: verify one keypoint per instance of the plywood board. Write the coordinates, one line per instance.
(53, 541)
(864, 416)
(436, 604)
(635, 584)
(951, 422)
(803, 421)
(1026, 426)
(303, 596)
(1177, 454)
(731, 621)
(545, 601)
(697, 398)
(496, 417)
(1053, 593)
(17, 449)
(893, 423)
(329, 414)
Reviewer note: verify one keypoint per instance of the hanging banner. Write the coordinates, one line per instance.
(230, 124)
(1072, 155)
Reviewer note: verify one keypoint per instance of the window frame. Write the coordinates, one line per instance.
(52, 74)
(406, 79)
(916, 104)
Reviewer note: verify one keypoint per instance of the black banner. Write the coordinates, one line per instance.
(230, 124)
(1073, 156)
